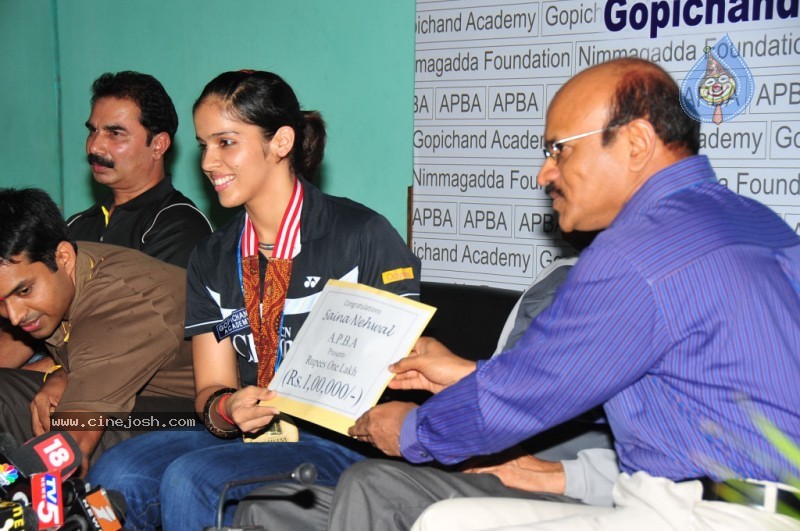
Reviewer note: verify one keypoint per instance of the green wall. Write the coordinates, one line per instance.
(352, 60)
(28, 119)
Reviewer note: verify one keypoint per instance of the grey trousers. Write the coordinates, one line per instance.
(372, 494)
(286, 507)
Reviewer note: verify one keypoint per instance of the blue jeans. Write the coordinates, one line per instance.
(173, 478)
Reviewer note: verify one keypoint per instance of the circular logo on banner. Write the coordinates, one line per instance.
(719, 85)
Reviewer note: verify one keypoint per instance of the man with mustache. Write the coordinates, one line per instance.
(680, 320)
(131, 130)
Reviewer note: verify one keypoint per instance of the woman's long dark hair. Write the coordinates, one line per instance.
(265, 100)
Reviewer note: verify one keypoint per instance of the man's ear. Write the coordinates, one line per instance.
(160, 144)
(642, 140)
(66, 257)
(282, 141)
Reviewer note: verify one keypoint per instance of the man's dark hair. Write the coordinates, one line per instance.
(32, 225)
(647, 91)
(156, 111)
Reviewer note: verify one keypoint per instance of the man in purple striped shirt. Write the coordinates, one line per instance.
(681, 319)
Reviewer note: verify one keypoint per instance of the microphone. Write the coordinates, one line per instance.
(47, 498)
(10, 477)
(118, 503)
(17, 516)
(32, 473)
(95, 510)
(49, 452)
(305, 474)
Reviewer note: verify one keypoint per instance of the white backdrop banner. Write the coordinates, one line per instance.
(486, 71)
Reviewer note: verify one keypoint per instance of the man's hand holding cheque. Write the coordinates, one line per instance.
(430, 367)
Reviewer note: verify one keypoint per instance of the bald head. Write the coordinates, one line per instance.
(634, 88)
(609, 129)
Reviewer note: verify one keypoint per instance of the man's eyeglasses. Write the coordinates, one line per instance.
(553, 149)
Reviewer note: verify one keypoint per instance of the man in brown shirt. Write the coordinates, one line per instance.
(111, 317)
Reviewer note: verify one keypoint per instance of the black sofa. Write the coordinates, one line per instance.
(468, 319)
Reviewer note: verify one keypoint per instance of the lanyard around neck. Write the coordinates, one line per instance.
(265, 302)
(288, 232)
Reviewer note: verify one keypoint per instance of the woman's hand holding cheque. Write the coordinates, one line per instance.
(246, 409)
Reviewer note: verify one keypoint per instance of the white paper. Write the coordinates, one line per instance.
(337, 367)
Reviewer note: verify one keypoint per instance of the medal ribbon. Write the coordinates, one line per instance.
(266, 315)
